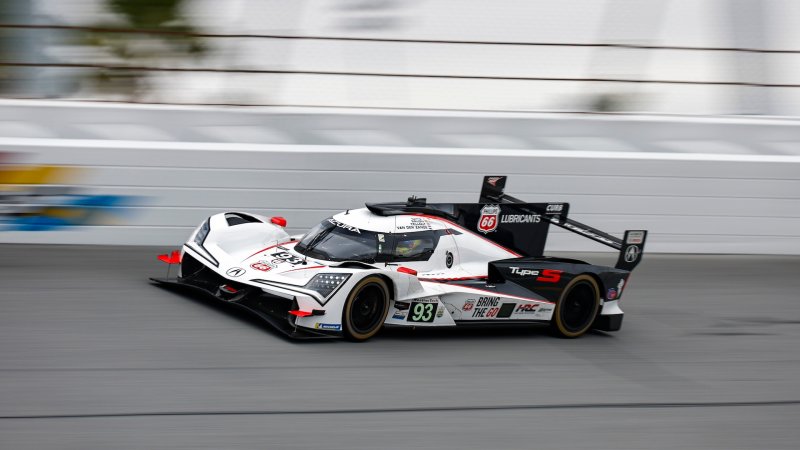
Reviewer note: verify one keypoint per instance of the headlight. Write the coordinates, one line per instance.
(200, 237)
(326, 283)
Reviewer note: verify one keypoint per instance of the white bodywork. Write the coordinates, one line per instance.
(262, 254)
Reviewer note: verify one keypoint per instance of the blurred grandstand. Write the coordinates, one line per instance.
(663, 56)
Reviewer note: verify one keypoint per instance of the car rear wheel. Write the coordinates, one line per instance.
(577, 308)
(366, 308)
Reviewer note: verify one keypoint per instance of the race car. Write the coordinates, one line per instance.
(409, 264)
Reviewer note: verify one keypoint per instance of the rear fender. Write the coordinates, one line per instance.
(548, 277)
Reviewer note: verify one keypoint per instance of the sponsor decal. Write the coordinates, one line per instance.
(234, 272)
(523, 272)
(263, 266)
(588, 233)
(448, 259)
(286, 257)
(344, 225)
(554, 208)
(488, 301)
(635, 237)
(615, 293)
(544, 276)
(533, 311)
(487, 307)
(433, 299)
(631, 253)
(489, 218)
(550, 276)
(521, 218)
(468, 305)
(527, 308)
(431, 274)
(401, 310)
(493, 180)
(401, 305)
(487, 313)
(381, 238)
(440, 312)
(328, 326)
(415, 224)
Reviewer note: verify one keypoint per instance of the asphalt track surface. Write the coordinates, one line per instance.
(93, 356)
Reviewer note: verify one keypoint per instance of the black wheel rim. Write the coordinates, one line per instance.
(577, 309)
(367, 309)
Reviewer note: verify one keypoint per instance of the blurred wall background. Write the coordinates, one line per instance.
(374, 100)
(662, 56)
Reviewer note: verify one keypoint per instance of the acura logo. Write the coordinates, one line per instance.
(234, 272)
(631, 253)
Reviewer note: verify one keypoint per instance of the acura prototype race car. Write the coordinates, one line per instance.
(411, 264)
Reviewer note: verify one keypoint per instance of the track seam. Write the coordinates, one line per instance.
(415, 410)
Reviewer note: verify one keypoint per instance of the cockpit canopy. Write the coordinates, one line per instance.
(332, 240)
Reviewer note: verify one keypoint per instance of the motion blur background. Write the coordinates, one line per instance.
(124, 123)
(658, 56)
(667, 113)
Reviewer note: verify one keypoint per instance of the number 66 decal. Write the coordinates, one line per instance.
(422, 312)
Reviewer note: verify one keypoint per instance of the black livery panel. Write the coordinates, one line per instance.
(547, 277)
(520, 227)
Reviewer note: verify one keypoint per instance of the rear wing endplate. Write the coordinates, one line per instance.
(630, 247)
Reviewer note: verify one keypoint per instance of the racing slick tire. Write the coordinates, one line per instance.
(365, 309)
(577, 308)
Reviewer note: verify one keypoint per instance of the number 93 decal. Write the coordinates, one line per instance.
(422, 312)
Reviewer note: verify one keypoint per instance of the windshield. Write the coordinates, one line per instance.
(332, 240)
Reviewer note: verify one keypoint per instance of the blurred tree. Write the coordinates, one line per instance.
(5, 47)
(16, 46)
(142, 49)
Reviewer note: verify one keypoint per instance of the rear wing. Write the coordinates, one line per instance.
(630, 247)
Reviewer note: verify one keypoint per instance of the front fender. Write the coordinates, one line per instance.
(403, 286)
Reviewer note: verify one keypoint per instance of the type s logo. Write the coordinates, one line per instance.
(544, 276)
(550, 276)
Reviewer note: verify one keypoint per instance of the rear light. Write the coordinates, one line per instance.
(279, 221)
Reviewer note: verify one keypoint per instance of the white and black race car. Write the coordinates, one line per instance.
(412, 264)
